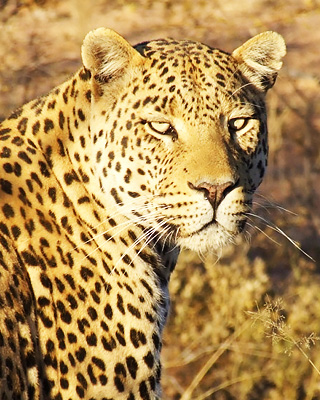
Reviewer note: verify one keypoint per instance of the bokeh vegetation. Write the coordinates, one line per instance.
(244, 324)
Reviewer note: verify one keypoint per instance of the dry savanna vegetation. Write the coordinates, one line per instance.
(245, 324)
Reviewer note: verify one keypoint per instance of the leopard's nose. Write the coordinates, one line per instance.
(214, 193)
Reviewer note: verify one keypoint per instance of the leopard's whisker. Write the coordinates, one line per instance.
(137, 219)
(144, 237)
(272, 205)
(281, 232)
(262, 231)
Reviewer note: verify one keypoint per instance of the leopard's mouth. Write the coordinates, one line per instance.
(239, 227)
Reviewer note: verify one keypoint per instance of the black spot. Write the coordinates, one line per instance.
(129, 288)
(86, 273)
(60, 336)
(80, 392)
(118, 166)
(5, 153)
(143, 390)
(72, 301)
(149, 317)
(16, 114)
(170, 79)
(72, 338)
(152, 382)
(48, 125)
(134, 311)
(35, 127)
(47, 322)
(65, 315)
(149, 360)
(52, 105)
(72, 360)
(136, 105)
(114, 194)
(108, 311)
(5, 186)
(119, 385)
(43, 301)
(88, 95)
(30, 227)
(120, 369)
(9, 324)
(8, 211)
(65, 95)
(132, 366)
(92, 313)
(104, 326)
(61, 120)
(133, 194)
(18, 141)
(156, 341)
(137, 337)
(59, 284)
(127, 176)
(70, 177)
(92, 377)
(44, 169)
(81, 354)
(82, 380)
(220, 76)
(103, 380)
(64, 383)
(84, 74)
(121, 339)
(16, 231)
(110, 344)
(63, 368)
(132, 235)
(81, 115)
(70, 280)
(22, 126)
(35, 177)
(112, 222)
(147, 286)
(146, 100)
(99, 363)
(29, 258)
(84, 199)
(95, 297)
(91, 339)
(52, 194)
(120, 304)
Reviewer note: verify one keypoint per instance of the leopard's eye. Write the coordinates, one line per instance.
(236, 124)
(160, 127)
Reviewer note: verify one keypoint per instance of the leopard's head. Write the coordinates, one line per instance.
(181, 132)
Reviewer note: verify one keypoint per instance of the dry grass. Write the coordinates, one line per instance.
(229, 335)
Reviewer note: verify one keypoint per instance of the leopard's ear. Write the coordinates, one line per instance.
(107, 55)
(260, 59)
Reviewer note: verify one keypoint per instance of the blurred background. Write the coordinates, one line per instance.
(244, 324)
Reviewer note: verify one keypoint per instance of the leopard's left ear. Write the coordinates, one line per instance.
(260, 59)
(108, 56)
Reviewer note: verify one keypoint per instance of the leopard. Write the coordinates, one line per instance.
(144, 151)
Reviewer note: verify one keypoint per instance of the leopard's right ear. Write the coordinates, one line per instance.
(107, 55)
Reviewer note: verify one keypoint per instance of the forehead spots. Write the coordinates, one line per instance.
(192, 77)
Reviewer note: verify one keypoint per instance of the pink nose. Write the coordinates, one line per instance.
(214, 193)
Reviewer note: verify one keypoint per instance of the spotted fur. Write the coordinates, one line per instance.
(143, 151)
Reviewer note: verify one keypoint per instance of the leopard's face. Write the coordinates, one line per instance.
(183, 145)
